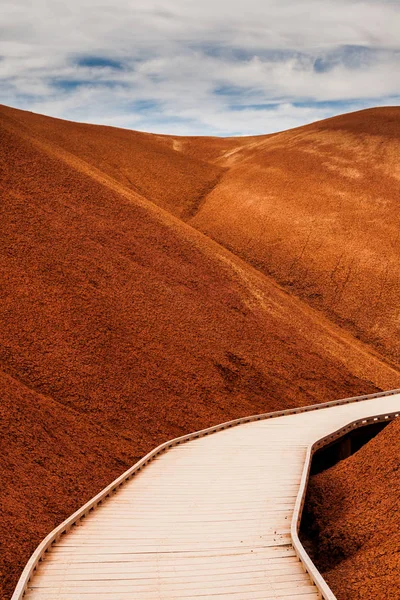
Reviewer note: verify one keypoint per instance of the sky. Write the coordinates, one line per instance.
(204, 67)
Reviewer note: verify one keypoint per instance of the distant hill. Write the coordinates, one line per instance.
(317, 208)
(153, 285)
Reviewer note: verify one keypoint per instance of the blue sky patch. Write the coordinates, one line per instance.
(351, 57)
(230, 90)
(71, 85)
(258, 106)
(99, 62)
(143, 106)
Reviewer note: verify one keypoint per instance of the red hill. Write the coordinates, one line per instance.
(123, 326)
(317, 209)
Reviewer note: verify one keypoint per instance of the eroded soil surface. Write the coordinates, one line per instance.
(123, 324)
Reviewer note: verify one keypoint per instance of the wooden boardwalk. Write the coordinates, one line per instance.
(212, 518)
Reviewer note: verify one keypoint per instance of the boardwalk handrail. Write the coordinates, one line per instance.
(311, 569)
(82, 512)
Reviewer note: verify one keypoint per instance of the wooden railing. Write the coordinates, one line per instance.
(311, 569)
(41, 551)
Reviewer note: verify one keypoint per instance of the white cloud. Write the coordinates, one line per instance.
(189, 66)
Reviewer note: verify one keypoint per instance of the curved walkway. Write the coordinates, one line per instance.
(213, 518)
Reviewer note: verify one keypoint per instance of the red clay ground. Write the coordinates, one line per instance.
(317, 209)
(355, 508)
(122, 326)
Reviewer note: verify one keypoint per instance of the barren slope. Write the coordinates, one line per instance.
(50, 457)
(314, 207)
(141, 162)
(318, 209)
(122, 326)
(355, 506)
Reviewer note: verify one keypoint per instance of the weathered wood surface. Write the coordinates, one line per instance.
(210, 518)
